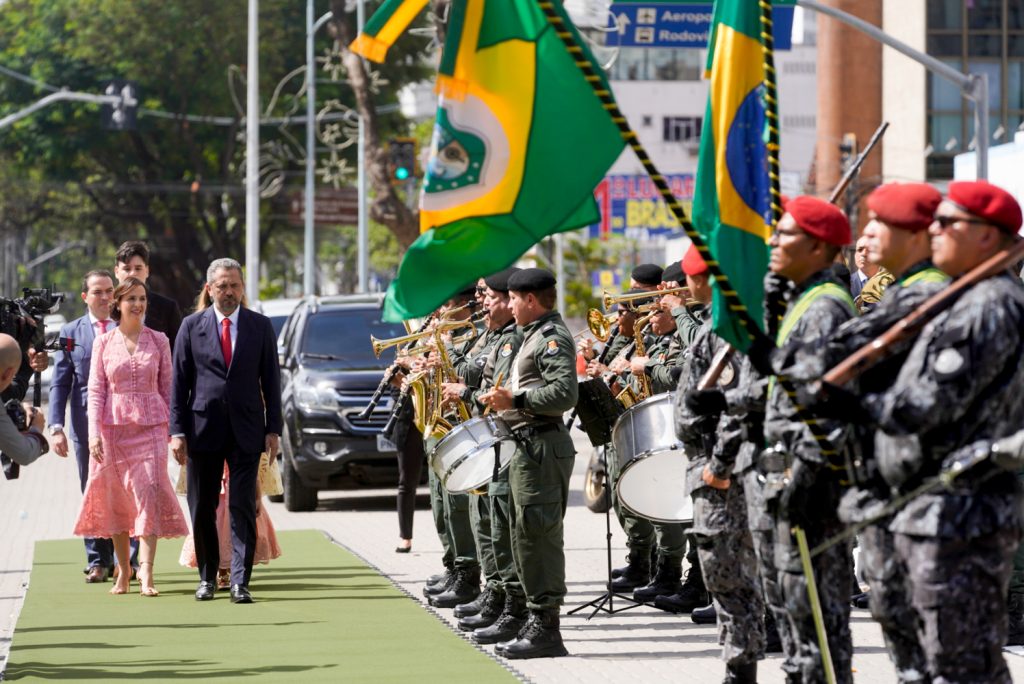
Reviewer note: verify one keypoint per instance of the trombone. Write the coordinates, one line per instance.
(381, 345)
(609, 299)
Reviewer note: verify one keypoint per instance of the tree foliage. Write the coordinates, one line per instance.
(175, 183)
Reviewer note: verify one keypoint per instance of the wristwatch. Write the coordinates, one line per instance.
(55, 430)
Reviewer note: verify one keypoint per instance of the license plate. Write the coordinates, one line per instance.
(385, 444)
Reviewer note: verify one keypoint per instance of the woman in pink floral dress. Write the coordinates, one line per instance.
(129, 493)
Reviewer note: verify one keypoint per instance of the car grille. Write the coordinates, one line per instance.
(353, 403)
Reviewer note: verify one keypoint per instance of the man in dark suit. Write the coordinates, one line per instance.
(162, 313)
(69, 389)
(225, 405)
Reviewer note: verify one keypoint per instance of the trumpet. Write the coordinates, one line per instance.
(381, 345)
(609, 299)
(599, 325)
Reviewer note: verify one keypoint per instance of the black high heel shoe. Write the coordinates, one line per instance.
(404, 549)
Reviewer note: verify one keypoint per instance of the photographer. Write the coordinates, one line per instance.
(22, 445)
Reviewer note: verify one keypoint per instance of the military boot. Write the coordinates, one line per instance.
(508, 624)
(691, 595)
(1015, 607)
(666, 581)
(741, 674)
(772, 640)
(636, 574)
(464, 589)
(473, 607)
(706, 615)
(540, 639)
(491, 607)
(443, 584)
(617, 572)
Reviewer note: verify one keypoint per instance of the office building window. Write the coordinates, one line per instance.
(981, 37)
(657, 64)
(681, 128)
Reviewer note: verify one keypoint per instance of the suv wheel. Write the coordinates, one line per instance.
(297, 496)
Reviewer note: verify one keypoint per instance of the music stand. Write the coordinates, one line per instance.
(609, 596)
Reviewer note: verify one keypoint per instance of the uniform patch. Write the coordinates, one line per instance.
(506, 350)
(481, 361)
(727, 376)
(661, 358)
(949, 362)
(552, 347)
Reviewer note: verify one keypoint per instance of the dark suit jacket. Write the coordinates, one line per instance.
(70, 383)
(206, 395)
(163, 315)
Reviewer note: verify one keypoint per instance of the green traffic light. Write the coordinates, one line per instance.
(401, 173)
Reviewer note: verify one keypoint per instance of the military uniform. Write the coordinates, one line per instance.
(960, 384)
(544, 386)
(452, 521)
(724, 541)
(810, 497)
(884, 571)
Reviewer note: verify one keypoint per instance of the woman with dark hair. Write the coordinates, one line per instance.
(129, 493)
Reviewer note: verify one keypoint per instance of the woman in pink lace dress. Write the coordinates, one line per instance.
(129, 493)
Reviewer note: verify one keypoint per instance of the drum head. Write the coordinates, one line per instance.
(654, 486)
(473, 465)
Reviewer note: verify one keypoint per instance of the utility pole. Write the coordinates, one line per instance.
(252, 159)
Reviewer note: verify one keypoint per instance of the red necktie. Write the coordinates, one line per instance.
(225, 340)
(103, 326)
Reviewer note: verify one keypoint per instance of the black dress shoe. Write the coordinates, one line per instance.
(240, 594)
(205, 591)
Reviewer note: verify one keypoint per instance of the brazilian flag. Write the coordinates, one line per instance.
(520, 142)
(732, 194)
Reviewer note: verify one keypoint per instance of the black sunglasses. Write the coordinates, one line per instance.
(947, 221)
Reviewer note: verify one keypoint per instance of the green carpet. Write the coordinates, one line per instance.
(320, 615)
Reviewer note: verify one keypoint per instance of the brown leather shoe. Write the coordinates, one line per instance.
(97, 575)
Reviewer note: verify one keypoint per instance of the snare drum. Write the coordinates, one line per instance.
(464, 458)
(651, 462)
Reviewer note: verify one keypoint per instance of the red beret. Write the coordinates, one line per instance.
(820, 219)
(986, 201)
(693, 264)
(908, 206)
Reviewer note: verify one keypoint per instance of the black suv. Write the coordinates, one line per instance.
(328, 374)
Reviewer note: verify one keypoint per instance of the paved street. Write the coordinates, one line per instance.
(641, 645)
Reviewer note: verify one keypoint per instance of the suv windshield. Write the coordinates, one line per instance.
(341, 338)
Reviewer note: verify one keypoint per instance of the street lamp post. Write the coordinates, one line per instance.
(309, 249)
(252, 159)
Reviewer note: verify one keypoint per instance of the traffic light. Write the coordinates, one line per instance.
(402, 157)
(121, 116)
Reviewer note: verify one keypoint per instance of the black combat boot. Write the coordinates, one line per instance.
(540, 639)
(666, 581)
(491, 607)
(441, 586)
(772, 640)
(473, 607)
(508, 624)
(464, 589)
(706, 615)
(741, 674)
(1015, 607)
(636, 574)
(617, 572)
(691, 595)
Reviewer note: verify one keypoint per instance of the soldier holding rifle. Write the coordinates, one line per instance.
(959, 388)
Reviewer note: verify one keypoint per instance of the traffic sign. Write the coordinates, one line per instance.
(657, 24)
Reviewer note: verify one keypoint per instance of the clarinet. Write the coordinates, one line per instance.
(388, 375)
(602, 357)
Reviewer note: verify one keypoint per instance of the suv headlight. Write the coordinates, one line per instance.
(319, 397)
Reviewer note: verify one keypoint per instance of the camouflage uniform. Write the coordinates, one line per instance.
(884, 570)
(724, 542)
(960, 385)
(811, 497)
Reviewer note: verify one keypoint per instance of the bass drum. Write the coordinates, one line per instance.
(651, 462)
(464, 458)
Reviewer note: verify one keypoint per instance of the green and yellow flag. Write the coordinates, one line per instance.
(732, 202)
(520, 142)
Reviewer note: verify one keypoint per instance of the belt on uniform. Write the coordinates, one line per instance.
(534, 430)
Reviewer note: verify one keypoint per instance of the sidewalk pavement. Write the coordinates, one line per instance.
(640, 645)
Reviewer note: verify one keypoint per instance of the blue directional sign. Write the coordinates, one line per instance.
(683, 25)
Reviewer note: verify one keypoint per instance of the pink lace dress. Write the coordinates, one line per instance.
(129, 395)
